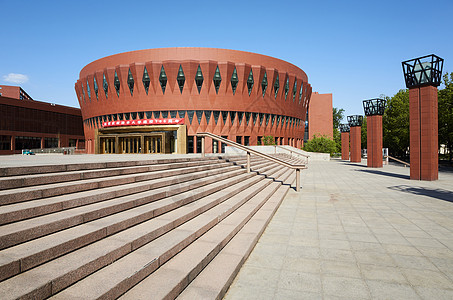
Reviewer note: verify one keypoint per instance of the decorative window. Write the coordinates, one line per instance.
(267, 119)
(207, 115)
(247, 117)
(232, 116)
(96, 88)
(156, 114)
(164, 114)
(295, 89)
(130, 82)
(272, 120)
(88, 91)
(217, 79)
(182, 113)
(146, 80)
(216, 114)
(83, 93)
(301, 91)
(163, 79)
(173, 114)
(105, 85)
(141, 115)
(261, 118)
(250, 82)
(116, 83)
(286, 87)
(190, 115)
(240, 116)
(181, 78)
(234, 80)
(254, 117)
(134, 116)
(224, 116)
(199, 79)
(264, 84)
(276, 86)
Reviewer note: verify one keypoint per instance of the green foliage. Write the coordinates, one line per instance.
(320, 143)
(445, 108)
(338, 114)
(395, 124)
(268, 140)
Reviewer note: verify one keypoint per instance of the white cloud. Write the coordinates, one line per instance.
(15, 78)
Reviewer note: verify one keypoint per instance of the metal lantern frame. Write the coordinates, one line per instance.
(421, 71)
(355, 120)
(344, 128)
(373, 107)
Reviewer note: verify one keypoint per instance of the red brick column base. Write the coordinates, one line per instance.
(356, 140)
(374, 141)
(423, 133)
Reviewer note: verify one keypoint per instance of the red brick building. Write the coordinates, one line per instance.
(320, 118)
(156, 100)
(29, 124)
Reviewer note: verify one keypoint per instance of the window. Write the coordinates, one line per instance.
(198, 144)
(83, 93)
(224, 116)
(105, 85)
(276, 86)
(216, 114)
(116, 84)
(189, 144)
(246, 141)
(234, 80)
(286, 87)
(88, 91)
(27, 142)
(259, 140)
(199, 114)
(222, 145)
(163, 79)
(146, 80)
(181, 78)
(5, 142)
(247, 117)
(239, 139)
(72, 143)
(250, 82)
(96, 88)
(295, 89)
(199, 79)
(232, 116)
(207, 115)
(267, 119)
(217, 79)
(240, 116)
(264, 84)
(50, 142)
(130, 82)
(301, 91)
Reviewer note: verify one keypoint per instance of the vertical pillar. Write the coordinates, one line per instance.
(345, 145)
(423, 133)
(356, 141)
(374, 141)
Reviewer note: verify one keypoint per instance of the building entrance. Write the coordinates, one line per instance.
(153, 144)
(107, 145)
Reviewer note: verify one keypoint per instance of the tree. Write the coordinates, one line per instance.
(363, 134)
(320, 143)
(338, 114)
(395, 124)
(445, 108)
(268, 140)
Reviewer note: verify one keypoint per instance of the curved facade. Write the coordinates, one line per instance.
(239, 95)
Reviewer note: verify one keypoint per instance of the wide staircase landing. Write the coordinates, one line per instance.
(150, 229)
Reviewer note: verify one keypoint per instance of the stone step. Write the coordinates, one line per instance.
(47, 178)
(30, 254)
(42, 169)
(61, 188)
(215, 279)
(22, 231)
(69, 268)
(24, 210)
(130, 269)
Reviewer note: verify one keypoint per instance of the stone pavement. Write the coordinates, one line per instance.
(355, 233)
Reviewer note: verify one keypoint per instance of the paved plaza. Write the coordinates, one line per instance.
(355, 233)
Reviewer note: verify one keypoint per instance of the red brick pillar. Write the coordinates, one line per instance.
(374, 141)
(355, 136)
(345, 145)
(423, 133)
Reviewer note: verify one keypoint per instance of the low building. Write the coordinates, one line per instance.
(29, 124)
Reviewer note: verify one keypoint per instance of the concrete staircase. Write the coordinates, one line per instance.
(149, 229)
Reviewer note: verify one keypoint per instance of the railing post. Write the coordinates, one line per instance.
(297, 180)
(248, 162)
(202, 147)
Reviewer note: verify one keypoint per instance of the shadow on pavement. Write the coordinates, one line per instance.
(440, 194)
(377, 172)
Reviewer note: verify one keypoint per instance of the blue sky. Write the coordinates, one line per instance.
(352, 49)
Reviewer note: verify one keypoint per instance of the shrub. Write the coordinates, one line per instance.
(320, 143)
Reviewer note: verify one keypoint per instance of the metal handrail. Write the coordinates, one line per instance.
(249, 151)
(398, 160)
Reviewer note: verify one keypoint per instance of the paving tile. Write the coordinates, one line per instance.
(427, 278)
(345, 287)
(387, 290)
(382, 273)
(334, 244)
(434, 293)
(374, 258)
(299, 281)
(413, 262)
(306, 265)
(337, 254)
(339, 268)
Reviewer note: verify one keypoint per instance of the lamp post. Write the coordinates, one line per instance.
(422, 76)
(374, 109)
(344, 129)
(355, 124)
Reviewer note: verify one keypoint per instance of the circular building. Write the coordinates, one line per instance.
(157, 100)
